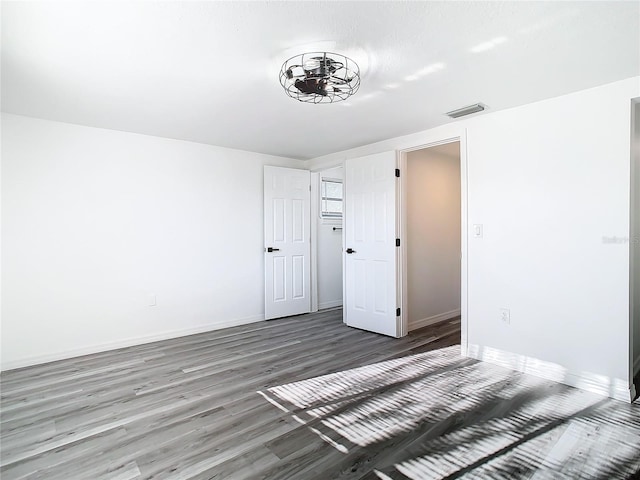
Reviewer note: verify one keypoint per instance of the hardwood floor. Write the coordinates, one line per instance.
(305, 398)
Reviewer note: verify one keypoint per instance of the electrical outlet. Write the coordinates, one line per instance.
(505, 315)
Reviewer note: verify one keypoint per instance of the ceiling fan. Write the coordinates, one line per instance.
(320, 77)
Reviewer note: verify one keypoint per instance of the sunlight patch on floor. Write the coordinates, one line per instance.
(461, 416)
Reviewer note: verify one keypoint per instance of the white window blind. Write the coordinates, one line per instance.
(331, 198)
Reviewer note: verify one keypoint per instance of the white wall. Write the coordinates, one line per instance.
(635, 236)
(433, 236)
(548, 181)
(329, 254)
(94, 221)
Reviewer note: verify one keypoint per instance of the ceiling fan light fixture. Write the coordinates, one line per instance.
(320, 77)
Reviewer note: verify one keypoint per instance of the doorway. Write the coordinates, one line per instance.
(327, 213)
(432, 218)
(376, 287)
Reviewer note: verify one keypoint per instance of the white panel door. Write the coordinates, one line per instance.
(287, 248)
(370, 255)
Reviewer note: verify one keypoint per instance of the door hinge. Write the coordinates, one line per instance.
(397, 242)
(397, 312)
(398, 172)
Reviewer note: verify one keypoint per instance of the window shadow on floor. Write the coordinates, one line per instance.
(438, 415)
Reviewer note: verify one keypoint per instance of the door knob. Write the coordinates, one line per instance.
(350, 250)
(271, 249)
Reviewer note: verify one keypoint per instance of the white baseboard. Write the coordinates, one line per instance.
(129, 342)
(592, 382)
(333, 304)
(441, 317)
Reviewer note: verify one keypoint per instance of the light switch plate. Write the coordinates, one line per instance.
(477, 230)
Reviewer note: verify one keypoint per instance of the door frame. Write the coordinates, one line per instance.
(401, 217)
(634, 231)
(460, 135)
(315, 212)
(315, 176)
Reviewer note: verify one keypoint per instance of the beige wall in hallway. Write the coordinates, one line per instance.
(433, 233)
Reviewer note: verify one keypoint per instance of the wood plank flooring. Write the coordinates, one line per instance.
(305, 398)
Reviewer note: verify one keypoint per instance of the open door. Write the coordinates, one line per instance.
(370, 256)
(287, 236)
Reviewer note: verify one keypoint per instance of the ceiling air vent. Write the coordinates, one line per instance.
(461, 112)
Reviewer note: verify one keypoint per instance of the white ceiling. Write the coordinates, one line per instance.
(208, 71)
